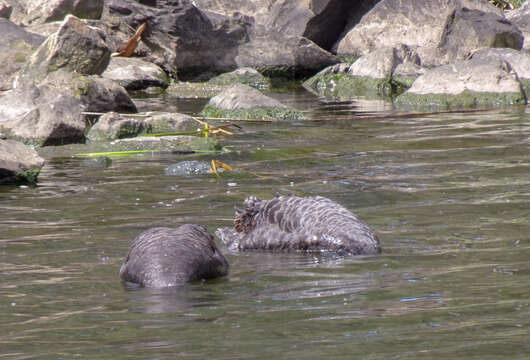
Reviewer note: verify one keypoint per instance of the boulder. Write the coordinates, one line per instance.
(113, 126)
(275, 54)
(42, 115)
(521, 18)
(245, 102)
(18, 163)
(97, 94)
(245, 75)
(43, 11)
(519, 61)
(171, 122)
(135, 73)
(181, 36)
(467, 30)
(321, 21)
(384, 72)
(5, 9)
(257, 9)
(472, 83)
(75, 47)
(416, 23)
(16, 47)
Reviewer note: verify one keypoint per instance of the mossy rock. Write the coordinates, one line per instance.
(466, 99)
(211, 111)
(346, 86)
(247, 76)
(193, 90)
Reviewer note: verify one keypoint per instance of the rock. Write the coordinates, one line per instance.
(18, 163)
(113, 126)
(275, 54)
(383, 72)
(43, 11)
(519, 62)
(75, 47)
(181, 36)
(42, 115)
(171, 122)
(257, 9)
(242, 101)
(96, 93)
(5, 9)
(472, 83)
(467, 30)
(16, 47)
(321, 21)
(194, 90)
(521, 18)
(98, 162)
(245, 75)
(416, 23)
(135, 74)
(188, 168)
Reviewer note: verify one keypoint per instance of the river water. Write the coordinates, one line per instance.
(448, 195)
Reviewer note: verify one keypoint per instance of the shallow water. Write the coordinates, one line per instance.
(448, 195)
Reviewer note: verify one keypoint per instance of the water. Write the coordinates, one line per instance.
(448, 195)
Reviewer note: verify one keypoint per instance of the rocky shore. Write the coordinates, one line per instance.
(58, 67)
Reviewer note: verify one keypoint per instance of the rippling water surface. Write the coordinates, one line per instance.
(448, 195)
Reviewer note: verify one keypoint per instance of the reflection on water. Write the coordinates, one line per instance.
(448, 195)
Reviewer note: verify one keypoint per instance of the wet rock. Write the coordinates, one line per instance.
(42, 115)
(467, 30)
(188, 168)
(247, 76)
(194, 90)
(42, 11)
(519, 61)
(384, 72)
(113, 126)
(521, 18)
(171, 122)
(98, 162)
(16, 47)
(472, 83)
(18, 163)
(242, 101)
(178, 144)
(75, 47)
(135, 73)
(416, 23)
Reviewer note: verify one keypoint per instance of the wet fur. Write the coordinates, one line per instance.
(293, 223)
(161, 257)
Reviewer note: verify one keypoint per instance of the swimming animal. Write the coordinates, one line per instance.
(313, 224)
(161, 257)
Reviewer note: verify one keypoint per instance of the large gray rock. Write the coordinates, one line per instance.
(75, 47)
(519, 62)
(321, 21)
(18, 163)
(472, 83)
(467, 30)
(112, 126)
(258, 9)
(42, 115)
(43, 11)
(415, 23)
(135, 74)
(16, 47)
(202, 44)
(242, 101)
(521, 18)
(242, 97)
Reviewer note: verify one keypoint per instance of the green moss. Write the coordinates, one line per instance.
(256, 113)
(525, 85)
(465, 99)
(28, 177)
(257, 81)
(346, 86)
